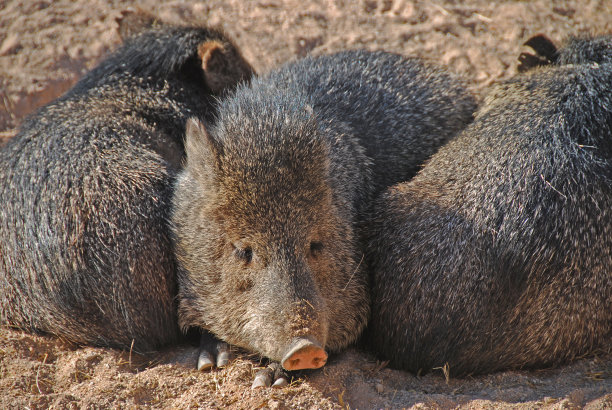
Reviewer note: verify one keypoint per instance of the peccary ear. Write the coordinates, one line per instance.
(223, 66)
(545, 53)
(132, 21)
(201, 148)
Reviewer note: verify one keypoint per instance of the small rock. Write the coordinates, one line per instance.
(80, 19)
(10, 45)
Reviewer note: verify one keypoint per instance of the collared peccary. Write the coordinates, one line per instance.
(498, 254)
(86, 185)
(267, 207)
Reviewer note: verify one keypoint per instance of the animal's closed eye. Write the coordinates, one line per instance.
(316, 248)
(244, 254)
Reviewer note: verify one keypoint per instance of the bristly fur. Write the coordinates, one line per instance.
(498, 254)
(86, 186)
(157, 54)
(266, 211)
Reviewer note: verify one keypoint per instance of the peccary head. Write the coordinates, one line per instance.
(265, 244)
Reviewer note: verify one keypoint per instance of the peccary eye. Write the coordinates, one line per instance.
(315, 248)
(244, 254)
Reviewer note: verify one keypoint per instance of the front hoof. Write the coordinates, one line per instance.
(212, 352)
(273, 375)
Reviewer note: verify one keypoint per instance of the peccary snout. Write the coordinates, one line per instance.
(304, 353)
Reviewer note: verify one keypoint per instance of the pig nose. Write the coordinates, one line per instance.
(304, 354)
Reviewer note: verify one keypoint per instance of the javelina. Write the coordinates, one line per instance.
(498, 254)
(86, 186)
(265, 211)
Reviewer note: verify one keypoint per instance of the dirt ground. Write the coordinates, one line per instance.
(45, 46)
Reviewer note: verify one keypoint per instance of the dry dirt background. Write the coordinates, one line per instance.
(45, 46)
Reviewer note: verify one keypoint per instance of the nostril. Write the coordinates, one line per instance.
(304, 354)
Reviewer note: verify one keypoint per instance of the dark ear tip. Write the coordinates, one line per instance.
(200, 146)
(195, 130)
(545, 53)
(222, 65)
(538, 40)
(543, 46)
(193, 126)
(208, 49)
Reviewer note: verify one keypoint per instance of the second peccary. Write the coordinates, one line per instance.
(266, 209)
(498, 254)
(86, 185)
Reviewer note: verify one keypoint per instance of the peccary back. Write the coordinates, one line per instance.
(498, 254)
(86, 185)
(266, 210)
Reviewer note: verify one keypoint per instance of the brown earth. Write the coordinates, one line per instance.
(46, 45)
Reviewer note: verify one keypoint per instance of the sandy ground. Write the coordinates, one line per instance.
(45, 46)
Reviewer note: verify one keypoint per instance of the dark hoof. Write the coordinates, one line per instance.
(212, 352)
(272, 376)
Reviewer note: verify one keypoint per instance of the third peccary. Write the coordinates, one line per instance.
(498, 254)
(266, 209)
(86, 185)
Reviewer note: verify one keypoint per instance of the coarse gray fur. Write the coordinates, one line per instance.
(266, 210)
(86, 185)
(498, 254)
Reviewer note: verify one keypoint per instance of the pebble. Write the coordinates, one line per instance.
(9, 45)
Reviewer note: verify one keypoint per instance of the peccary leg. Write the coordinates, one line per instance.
(212, 352)
(273, 375)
